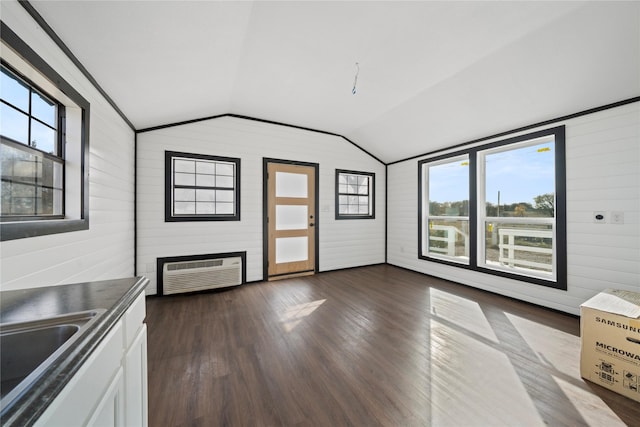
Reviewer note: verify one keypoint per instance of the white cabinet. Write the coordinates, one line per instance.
(109, 411)
(110, 389)
(135, 365)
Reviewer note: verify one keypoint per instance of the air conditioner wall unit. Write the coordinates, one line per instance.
(190, 275)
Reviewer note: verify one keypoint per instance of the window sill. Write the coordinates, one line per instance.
(24, 229)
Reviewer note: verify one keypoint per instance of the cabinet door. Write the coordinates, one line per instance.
(109, 412)
(79, 400)
(135, 366)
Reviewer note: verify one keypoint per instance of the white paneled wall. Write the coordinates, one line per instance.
(342, 243)
(603, 174)
(106, 250)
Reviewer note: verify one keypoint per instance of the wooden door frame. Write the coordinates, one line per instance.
(265, 210)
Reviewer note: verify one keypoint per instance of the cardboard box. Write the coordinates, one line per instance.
(610, 335)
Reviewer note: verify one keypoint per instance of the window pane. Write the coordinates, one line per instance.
(223, 208)
(14, 91)
(225, 169)
(187, 166)
(184, 195)
(205, 195)
(521, 182)
(224, 181)
(43, 138)
(184, 208)
(208, 168)
(184, 179)
(31, 183)
(15, 125)
(519, 246)
(449, 188)
(43, 109)
(205, 208)
(448, 237)
(224, 196)
(205, 180)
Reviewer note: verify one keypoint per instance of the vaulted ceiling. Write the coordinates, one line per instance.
(430, 74)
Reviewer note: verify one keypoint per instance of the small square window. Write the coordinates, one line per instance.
(201, 187)
(354, 195)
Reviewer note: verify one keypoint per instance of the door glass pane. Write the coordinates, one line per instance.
(291, 217)
(292, 249)
(291, 184)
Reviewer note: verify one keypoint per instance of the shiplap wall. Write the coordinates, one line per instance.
(105, 251)
(342, 243)
(603, 174)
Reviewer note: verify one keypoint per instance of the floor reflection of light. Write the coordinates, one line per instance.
(463, 312)
(555, 348)
(473, 383)
(293, 315)
(590, 406)
(560, 352)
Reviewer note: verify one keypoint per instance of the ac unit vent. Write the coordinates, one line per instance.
(194, 264)
(190, 276)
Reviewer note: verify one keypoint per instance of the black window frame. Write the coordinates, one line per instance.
(18, 227)
(560, 242)
(169, 216)
(371, 194)
(28, 148)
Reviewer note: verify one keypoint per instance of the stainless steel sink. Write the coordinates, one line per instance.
(28, 348)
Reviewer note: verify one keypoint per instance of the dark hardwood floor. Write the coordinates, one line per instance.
(372, 346)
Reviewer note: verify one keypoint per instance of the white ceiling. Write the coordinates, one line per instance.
(432, 74)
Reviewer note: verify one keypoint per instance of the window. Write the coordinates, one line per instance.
(32, 162)
(498, 208)
(43, 147)
(354, 195)
(446, 203)
(201, 187)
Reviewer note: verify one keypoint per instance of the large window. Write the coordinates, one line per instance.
(201, 187)
(44, 140)
(354, 195)
(498, 208)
